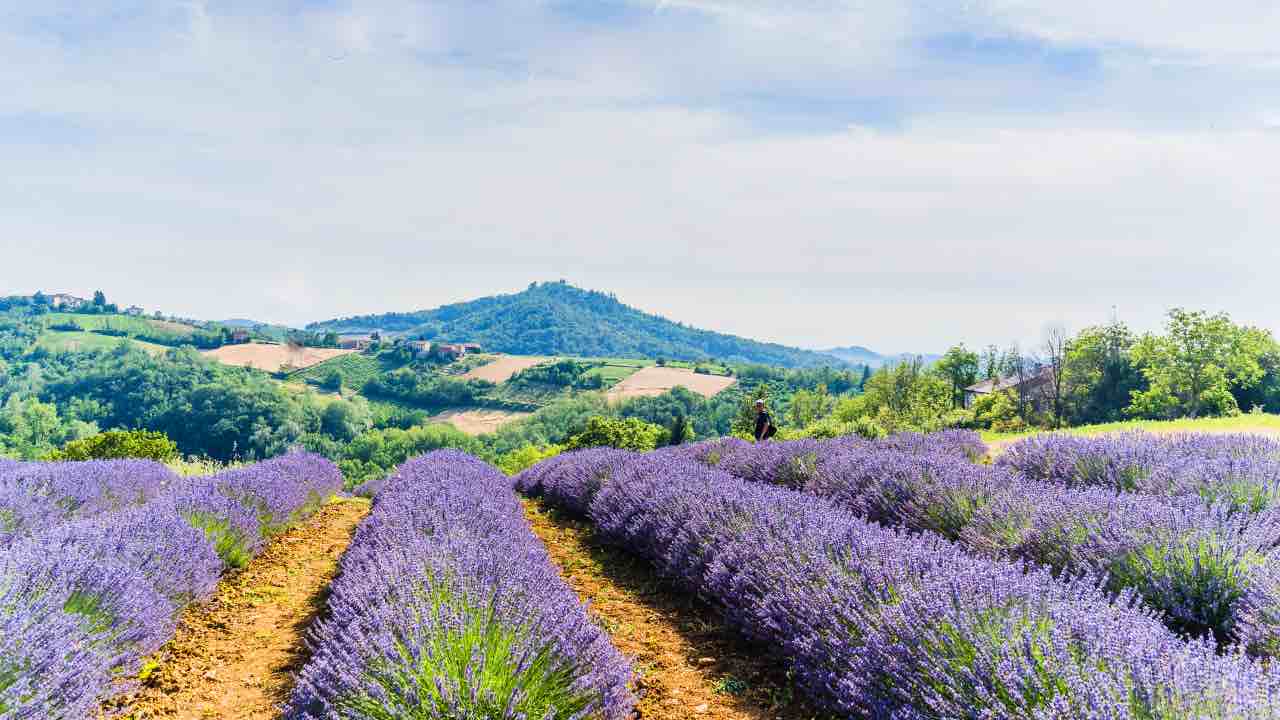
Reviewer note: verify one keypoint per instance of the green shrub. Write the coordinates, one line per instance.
(629, 434)
(526, 457)
(119, 444)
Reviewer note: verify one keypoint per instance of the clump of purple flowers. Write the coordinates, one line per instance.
(880, 623)
(92, 579)
(1143, 462)
(447, 606)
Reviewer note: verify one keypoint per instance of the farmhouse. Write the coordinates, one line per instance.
(1036, 388)
(133, 310)
(239, 336)
(419, 347)
(65, 300)
(354, 342)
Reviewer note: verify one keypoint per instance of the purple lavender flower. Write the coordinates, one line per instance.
(447, 606)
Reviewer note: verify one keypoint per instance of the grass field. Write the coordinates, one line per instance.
(1260, 423)
(64, 341)
(125, 323)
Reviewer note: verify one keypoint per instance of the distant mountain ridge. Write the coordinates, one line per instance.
(858, 355)
(555, 318)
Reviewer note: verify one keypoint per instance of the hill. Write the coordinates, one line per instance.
(858, 355)
(559, 319)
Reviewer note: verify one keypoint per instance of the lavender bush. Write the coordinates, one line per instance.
(878, 623)
(1137, 461)
(34, 496)
(447, 606)
(92, 579)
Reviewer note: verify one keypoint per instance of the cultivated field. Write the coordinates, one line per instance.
(502, 368)
(125, 323)
(478, 422)
(653, 381)
(271, 358)
(59, 341)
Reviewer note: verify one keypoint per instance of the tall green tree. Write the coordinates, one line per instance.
(960, 367)
(1098, 374)
(1193, 366)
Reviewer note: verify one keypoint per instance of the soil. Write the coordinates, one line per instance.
(270, 358)
(502, 368)
(651, 381)
(688, 663)
(235, 657)
(478, 422)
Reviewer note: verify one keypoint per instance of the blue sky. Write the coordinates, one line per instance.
(900, 175)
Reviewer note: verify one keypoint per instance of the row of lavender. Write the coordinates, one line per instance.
(878, 622)
(1242, 469)
(97, 559)
(447, 606)
(1209, 567)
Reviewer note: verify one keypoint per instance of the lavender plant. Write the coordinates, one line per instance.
(106, 553)
(878, 623)
(447, 606)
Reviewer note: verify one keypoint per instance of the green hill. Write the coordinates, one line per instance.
(560, 319)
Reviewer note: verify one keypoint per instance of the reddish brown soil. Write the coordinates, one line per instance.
(689, 665)
(235, 656)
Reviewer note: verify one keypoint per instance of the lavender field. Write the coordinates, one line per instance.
(99, 558)
(1127, 577)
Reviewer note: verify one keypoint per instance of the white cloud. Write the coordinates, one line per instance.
(387, 155)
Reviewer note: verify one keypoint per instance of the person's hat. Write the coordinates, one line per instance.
(759, 403)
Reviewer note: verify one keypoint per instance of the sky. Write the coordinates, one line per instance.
(901, 174)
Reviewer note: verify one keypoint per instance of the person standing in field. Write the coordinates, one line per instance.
(765, 428)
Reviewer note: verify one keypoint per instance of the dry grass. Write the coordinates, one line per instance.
(270, 358)
(651, 381)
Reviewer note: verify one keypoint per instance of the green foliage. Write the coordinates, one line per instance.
(997, 412)
(807, 406)
(474, 665)
(424, 389)
(550, 425)
(1099, 377)
(118, 444)
(30, 429)
(231, 546)
(1192, 368)
(960, 367)
(375, 453)
(563, 373)
(628, 434)
(903, 397)
(526, 457)
(559, 319)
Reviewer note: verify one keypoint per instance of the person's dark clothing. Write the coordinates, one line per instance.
(764, 426)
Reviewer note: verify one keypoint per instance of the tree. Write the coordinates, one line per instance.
(808, 406)
(990, 368)
(1054, 347)
(118, 444)
(866, 375)
(1192, 368)
(1098, 375)
(628, 434)
(960, 367)
(99, 298)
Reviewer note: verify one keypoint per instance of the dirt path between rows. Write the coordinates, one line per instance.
(235, 656)
(689, 665)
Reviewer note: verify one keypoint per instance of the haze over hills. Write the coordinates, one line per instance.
(555, 318)
(858, 355)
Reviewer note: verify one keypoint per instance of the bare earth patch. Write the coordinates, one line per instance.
(689, 665)
(651, 381)
(235, 656)
(501, 369)
(271, 358)
(478, 422)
